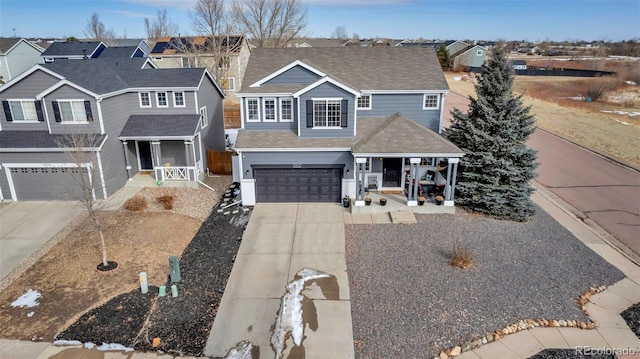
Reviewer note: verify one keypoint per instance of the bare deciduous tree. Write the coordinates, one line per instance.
(96, 30)
(84, 178)
(270, 23)
(340, 33)
(160, 27)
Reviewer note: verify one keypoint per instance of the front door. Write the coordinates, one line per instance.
(144, 155)
(391, 172)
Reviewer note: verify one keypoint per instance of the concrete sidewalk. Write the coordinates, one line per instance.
(611, 330)
(281, 239)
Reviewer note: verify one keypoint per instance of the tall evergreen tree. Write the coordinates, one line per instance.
(496, 170)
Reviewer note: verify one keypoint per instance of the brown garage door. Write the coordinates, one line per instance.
(298, 184)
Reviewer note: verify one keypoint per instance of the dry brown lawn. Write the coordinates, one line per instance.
(579, 121)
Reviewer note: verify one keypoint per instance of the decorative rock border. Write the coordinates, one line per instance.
(526, 324)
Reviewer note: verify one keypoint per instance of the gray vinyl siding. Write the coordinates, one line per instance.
(67, 92)
(173, 152)
(410, 105)
(213, 134)
(20, 59)
(470, 58)
(27, 88)
(113, 165)
(289, 159)
(133, 157)
(295, 75)
(271, 126)
(327, 90)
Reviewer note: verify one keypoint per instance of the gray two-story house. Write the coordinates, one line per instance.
(322, 123)
(139, 118)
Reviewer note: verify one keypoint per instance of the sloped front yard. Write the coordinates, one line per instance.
(408, 302)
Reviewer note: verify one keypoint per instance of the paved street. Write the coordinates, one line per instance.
(604, 191)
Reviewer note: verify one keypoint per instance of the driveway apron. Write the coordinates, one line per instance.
(281, 239)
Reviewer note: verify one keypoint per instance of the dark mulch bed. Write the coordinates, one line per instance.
(408, 302)
(632, 316)
(569, 354)
(182, 323)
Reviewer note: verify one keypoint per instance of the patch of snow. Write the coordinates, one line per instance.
(114, 346)
(67, 342)
(622, 122)
(630, 114)
(290, 319)
(457, 78)
(30, 314)
(578, 98)
(29, 299)
(632, 83)
(242, 350)
(89, 345)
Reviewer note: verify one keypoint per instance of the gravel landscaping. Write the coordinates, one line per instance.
(632, 316)
(407, 301)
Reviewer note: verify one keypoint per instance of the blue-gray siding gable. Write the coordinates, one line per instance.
(296, 75)
(327, 90)
(271, 126)
(26, 89)
(67, 92)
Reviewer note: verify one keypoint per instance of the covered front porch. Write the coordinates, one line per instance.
(172, 153)
(398, 202)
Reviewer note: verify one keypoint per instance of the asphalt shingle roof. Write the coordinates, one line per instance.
(203, 43)
(7, 42)
(107, 75)
(395, 134)
(35, 139)
(377, 68)
(74, 48)
(161, 126)
(121, 52)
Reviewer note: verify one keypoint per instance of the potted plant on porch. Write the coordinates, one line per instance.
(346, 201)
(383, 201)
(367, 201)
(421, 201)
(439, 200)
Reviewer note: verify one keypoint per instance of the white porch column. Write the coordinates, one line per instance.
(126, 159)
(414, 182)
(360, 172)
(453, 163)
(156, 159)
(188, 154)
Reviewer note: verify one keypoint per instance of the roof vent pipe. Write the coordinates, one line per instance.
(84, 54)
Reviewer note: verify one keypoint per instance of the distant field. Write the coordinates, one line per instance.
(582, 122)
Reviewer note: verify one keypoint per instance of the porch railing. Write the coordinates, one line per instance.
(171, 173)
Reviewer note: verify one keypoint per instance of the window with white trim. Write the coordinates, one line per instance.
(229, 83)
(326, 113)
(364, 102)
(286, 110)
(178, 99)
(161, 99)
(72, 111)
(479, 53)
(23, 110)
(269, 109)
(431, 102)
(253, 110)
(203, 116)
(145, 99)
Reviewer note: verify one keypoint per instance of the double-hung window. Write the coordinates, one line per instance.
(431, 102)
(203, 116)
(145, 99)
(22, 110)
(161, 99)
(364, 102)
(326, 113)
(286, 110)
(253, 110)
(178, 99)
(269, 109)
(72, 111)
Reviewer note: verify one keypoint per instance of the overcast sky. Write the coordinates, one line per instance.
(532, 20)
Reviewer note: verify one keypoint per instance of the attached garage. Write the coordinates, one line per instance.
(298, 184)
(44, 183)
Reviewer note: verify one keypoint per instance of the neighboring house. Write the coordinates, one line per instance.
(229, 55)
(73, 50)
(471, 57)
(121, 52)
(143, 119)
(141, 44)
(322, 123)
(17, 55)
(316, 42)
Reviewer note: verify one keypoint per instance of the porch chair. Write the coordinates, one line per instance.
(373, 182)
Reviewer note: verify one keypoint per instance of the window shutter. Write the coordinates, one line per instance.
(39, 111)
(344, 111)
(309, 113)
(56, 111)
(87, 109)
(7, 110)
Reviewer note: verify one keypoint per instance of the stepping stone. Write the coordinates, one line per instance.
(235, 211)
(226, 213)
(403, 217)
(220, 210)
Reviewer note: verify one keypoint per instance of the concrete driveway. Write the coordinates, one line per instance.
(26, 226)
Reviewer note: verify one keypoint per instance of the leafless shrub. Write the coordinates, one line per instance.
(462, 256)
(598, 87)
(136, 204)
(166, 199)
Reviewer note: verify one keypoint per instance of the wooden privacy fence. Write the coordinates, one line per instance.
(231, 116)
(220, 162)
